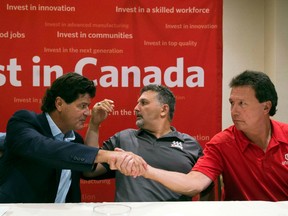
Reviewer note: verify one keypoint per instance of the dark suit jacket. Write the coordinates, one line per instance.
(32, 162)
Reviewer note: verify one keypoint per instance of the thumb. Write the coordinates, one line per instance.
(112, 163)
(119, 150)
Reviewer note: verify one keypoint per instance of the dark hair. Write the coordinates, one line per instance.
(165, 96)
(69, 87)
(262, 85)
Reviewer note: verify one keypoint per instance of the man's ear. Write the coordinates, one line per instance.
(59, 103)
(165, 110)
(267, 106)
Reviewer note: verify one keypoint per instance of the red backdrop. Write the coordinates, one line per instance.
(121, 45)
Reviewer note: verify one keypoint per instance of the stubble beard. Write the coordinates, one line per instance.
(140, 123)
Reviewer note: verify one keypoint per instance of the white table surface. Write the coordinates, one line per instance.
(197, 208)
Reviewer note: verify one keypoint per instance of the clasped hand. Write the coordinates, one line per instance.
(128, 163)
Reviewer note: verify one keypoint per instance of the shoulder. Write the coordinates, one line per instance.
(27, 116)
(123, 135)
(27, 119)
(121, 139)
(225, 136)
(188, 141)
(186, 137)
(280, 130)
(280, 125)
(127, 132)
(24, 114)
(183, 136)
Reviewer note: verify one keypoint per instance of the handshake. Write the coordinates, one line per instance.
(126, 162)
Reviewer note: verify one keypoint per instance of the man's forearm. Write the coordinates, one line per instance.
(104, 156)
(99, 113)
(92, 136)
(175, 181)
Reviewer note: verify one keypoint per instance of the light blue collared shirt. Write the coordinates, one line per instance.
(65, 180)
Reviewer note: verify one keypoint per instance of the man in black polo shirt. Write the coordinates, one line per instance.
(156, 141)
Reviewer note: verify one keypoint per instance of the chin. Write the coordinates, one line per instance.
(239, 127)
(80, 127)
(139, 124)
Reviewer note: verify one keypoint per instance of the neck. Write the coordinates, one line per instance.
(159, 132)
(262, 137)
(58, 121)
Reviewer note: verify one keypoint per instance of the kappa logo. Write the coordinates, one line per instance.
(176, 144)
(286, 159)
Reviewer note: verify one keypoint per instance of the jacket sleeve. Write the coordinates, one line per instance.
(29, 139)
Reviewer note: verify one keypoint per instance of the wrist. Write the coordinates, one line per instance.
(102, 156)
(93, 126)
(148, 172)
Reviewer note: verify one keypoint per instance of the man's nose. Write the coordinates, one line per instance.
(234, 109)
(87, 111)
(136, 108)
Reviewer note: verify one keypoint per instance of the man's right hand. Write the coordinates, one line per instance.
(127, 163)
(101, 110)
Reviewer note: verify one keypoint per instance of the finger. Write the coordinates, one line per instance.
(122, 160)
(140, 166)
(112, 163)
(131, 167)
(107, 104)
(119, 150)
(116, 160)
(126, 165)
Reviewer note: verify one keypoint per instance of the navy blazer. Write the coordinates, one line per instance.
(31, 165)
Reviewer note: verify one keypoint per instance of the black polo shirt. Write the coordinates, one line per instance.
(174, 151)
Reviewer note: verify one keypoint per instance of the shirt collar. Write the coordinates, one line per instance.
(277, 135)
(172, 134)
(241, 138)
(140, 131)
(56, 132)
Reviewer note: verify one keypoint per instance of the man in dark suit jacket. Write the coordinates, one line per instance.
(43, 157)
(2, 138)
